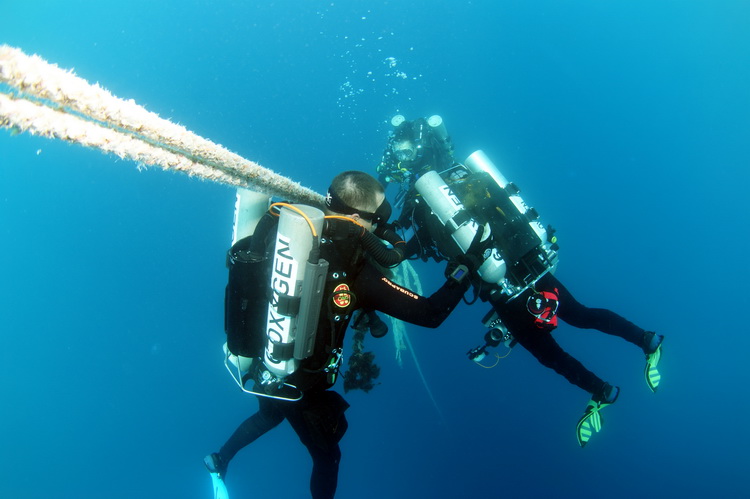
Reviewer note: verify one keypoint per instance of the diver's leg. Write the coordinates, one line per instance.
(320, 423)
(578, 315)
(542, 345)
(548, 352)
(268, 417)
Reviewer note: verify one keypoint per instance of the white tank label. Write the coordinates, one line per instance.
(283, 282)
(452, 197)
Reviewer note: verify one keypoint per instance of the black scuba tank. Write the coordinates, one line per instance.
(245, 302)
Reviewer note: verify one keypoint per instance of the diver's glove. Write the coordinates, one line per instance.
(378, 328)
(387, 233)
(394, 227)
(385, 256)
(365, 320)
(458, 274)
(471, 261)
(339, 229)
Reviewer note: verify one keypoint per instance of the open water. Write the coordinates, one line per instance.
(625, 123)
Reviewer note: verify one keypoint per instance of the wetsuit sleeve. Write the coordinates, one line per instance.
(375, 291)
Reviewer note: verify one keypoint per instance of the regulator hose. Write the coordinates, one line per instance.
(387, 257)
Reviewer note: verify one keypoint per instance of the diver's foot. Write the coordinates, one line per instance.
(218, 469)
(651, 342)
(215, 464)
(607, 395)
(591, 421)
(651, 373)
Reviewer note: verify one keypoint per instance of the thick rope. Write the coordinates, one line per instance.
(55, 103)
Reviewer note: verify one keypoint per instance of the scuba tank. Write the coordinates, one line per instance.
(479, 162)
(297, 280)
(439, 132)
(459, 223)
(271, 328)
(397, 120)
(249, 208)
(517, 249)
(246, 262)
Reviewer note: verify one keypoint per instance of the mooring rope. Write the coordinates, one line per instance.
(42, 99)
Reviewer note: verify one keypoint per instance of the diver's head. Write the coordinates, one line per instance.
(360, 196)
(404, 150)
(408, 143)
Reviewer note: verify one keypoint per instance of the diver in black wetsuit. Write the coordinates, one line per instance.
(533, 333)
(529, 317)
(414, 148)
(318, 418)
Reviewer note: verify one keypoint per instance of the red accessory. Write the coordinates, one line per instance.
(543, 305)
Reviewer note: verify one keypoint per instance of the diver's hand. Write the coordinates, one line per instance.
(457, 273)
(471, 262)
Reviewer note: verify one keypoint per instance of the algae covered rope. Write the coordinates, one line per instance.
(64, 106)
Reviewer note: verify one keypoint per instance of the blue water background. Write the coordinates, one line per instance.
(626, 125)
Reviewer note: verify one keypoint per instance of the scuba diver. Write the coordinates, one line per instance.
(292, 376)
(414, 148)
(470, 213)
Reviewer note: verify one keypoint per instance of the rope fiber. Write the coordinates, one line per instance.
(42, 99)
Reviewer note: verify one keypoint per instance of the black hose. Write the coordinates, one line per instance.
(387, 257)
(260, 240)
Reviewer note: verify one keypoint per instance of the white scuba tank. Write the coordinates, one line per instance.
(478, 162)
(297, 287)
(446, 206)
(397, 120)
(438, 127)
(249, 208)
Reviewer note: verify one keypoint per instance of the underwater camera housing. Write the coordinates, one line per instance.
(497, 334)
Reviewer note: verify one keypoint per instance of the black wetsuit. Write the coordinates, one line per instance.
(318, 418)
(542, 345)
(432, 241)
